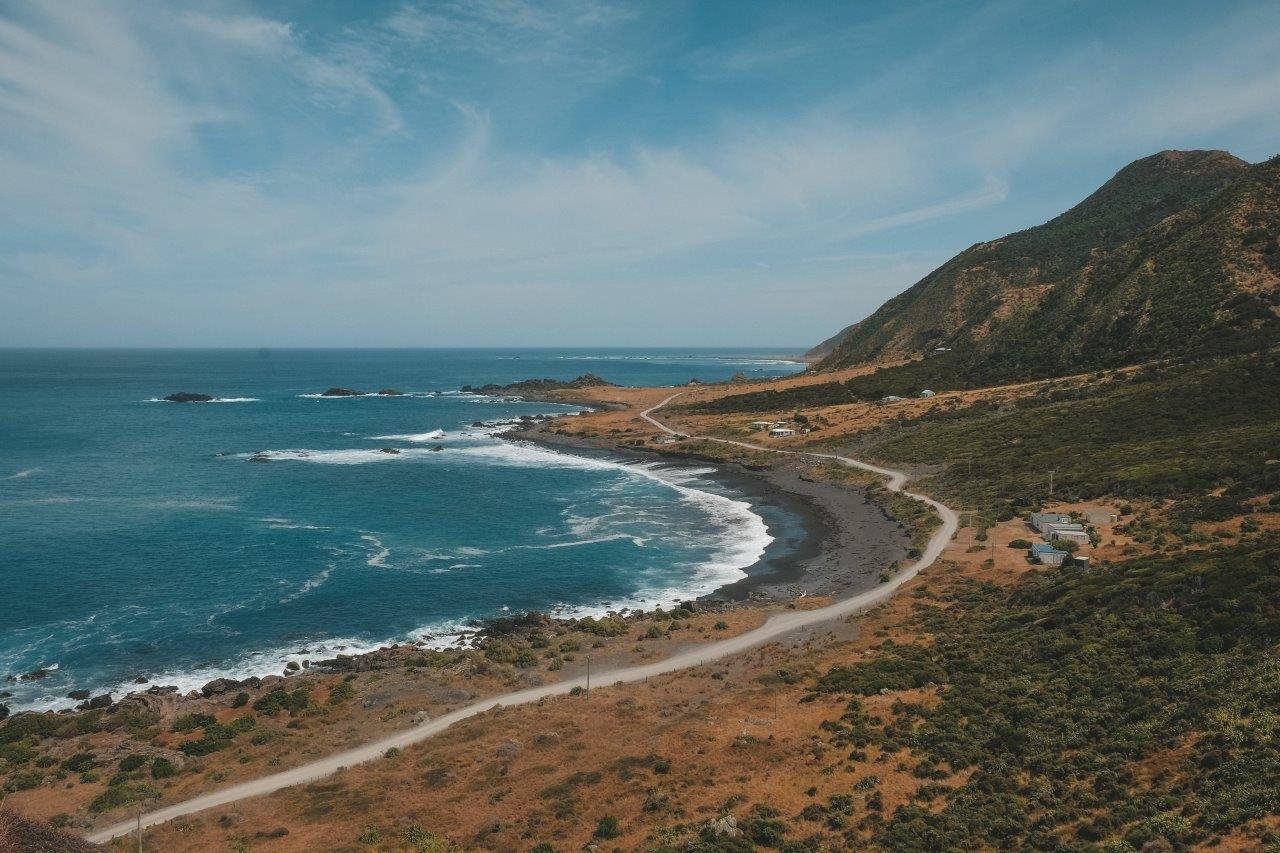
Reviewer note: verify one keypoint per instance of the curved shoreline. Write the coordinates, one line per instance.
(774, 627)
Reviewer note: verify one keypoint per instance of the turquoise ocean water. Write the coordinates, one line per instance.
(137, 537)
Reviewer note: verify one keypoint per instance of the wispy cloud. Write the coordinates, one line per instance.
(371, 180)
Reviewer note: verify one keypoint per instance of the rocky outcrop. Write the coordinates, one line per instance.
(102, 701)
(342, 392)
(390, 450)
(390, 392)
(540, 386)
(189, 397)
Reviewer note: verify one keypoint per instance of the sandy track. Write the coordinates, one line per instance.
(776, 626)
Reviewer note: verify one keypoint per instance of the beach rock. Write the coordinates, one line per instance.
(292, 666)
(390, 392)
(161, 690)
(253, 682)
(390, 450)
(4, 711)
(219, 686)
(189, 397)
(79, 695)
(342, 392)
(103, 701)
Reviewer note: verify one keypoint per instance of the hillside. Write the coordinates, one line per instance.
(1175, 255)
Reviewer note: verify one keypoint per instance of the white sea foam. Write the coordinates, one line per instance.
(378, 557)
(315, 581)
(23, 474)
(434, 435)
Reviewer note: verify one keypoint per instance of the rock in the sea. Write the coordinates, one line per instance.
(79, 695)
(390, 392)
(4, 711)
(141, 679)
(259, 457)
(292, 666)
(390, 450)
(189, 397)
(342, 392)
(36, 674)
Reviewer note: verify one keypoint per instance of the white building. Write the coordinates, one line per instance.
(782, 432)
(1041, 520)
(763, 424)
(1047, 555)
(1072, 533)
(892, 398)
(926, 393)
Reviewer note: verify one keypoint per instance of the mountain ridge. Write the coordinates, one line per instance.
(1176, 252)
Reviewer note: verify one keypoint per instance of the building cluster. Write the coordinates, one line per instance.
(778, 429)
(1058, 528)
(894, 398)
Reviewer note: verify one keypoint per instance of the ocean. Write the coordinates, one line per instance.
(146, 538)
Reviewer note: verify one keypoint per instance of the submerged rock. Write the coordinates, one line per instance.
(390, 392)
(189, 397)
(342, 392)
(390, 450)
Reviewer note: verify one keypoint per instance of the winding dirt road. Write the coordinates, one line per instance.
(776, 626)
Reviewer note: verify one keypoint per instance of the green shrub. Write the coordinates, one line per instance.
(608, 827)
(121, 795)
(162, 768)
(80, 762)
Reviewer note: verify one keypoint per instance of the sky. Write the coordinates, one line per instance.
(567, 172)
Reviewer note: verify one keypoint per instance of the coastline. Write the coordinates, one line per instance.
(845, 541)
(777, 623)
(833, 543)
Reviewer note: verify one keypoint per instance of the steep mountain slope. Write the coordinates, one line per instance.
(1176, 254)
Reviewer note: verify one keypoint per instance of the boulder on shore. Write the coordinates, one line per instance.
(342, 392)
(79, 695)
(189, 397)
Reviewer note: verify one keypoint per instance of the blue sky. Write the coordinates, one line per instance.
(569, 172)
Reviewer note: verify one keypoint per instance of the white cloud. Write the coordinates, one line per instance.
(222, 163)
